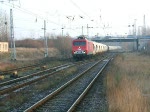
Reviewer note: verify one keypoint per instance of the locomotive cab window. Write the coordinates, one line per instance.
(81, 43)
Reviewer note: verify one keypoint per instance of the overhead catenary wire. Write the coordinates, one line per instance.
(32, 14)
(103, 27)
(79, 8)
(37, 16)
(81, 16)
(29, 12)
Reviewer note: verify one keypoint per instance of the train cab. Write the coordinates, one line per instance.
(81, 47)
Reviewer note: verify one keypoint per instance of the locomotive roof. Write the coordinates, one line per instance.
(82, 37)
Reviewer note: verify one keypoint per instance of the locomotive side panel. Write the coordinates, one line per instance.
(89, 48)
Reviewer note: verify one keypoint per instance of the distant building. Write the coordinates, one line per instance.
(3, 46)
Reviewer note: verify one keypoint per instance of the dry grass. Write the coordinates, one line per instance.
(34, 53)
(128, 83)
(27, 55)
(5, 65)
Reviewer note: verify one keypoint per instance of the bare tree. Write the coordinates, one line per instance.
(63, 44)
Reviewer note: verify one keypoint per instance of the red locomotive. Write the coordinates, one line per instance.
(82, 47)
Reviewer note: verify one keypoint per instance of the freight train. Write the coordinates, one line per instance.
(82, 47)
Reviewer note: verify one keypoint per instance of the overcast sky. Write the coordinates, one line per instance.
(115, 15)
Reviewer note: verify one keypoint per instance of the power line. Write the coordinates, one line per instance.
(82, 17)
(79, 8)
(44, 18)
(29, 12)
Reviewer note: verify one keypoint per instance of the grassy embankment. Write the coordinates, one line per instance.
(24, 56)
(128, 83)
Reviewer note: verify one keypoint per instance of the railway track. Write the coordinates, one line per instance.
(95, 100)
(12, 85)
(15, 84)
(66, 97)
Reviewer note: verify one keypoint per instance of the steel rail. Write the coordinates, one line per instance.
(12, 88)
(34, 74)
(42, 101)
(71, 109)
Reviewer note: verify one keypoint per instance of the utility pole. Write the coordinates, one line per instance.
(62, 31)
(82, 30)
(45, 38)
(135, 27)
(13, 48)
(140, 30)
(6, 38)
(144, 27)
(87, 30)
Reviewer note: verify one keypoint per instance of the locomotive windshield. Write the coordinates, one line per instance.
(80, 43)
